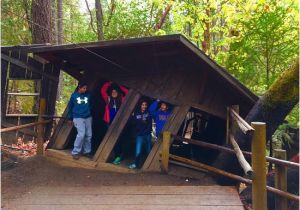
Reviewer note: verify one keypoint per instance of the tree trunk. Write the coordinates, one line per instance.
(41, 21)
(60, 32)
(53, 22)
(60, 40)
(272, 109)
(206, 33)
(99, 18)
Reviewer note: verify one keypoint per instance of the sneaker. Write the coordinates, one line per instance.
(132, 166)
(117, 160)
(75, 156)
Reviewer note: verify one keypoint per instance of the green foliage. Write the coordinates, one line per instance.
(267, 45)
(68, 89)
(14, 30)
(254, 39)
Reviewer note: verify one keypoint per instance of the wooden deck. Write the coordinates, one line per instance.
(64, 158)
(131, 197)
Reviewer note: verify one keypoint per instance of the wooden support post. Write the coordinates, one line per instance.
(259, 189)
(280, 180)
(234, 123)
(40, 128)
(165, 151)
(227, 125)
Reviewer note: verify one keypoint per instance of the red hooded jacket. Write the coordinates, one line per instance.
(106, 97)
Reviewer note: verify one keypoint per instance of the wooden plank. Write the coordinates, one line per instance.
(141, 190)
(165, 151)
(124, 199)
(172, 125)
(64, 158)
(127, 207)
(24, 65)
(221, 72)
(117, 126)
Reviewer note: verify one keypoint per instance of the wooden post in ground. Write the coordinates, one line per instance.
(40, 128)
(280, 180)
(165, 151)
(259, 187)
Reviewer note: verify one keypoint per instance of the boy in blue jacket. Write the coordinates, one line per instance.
(79, 114)
(160, 115)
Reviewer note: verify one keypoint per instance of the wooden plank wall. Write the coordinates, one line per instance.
(16, 63)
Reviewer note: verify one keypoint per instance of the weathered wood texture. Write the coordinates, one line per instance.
(175, 70)
(117, 126)
(172, 125)
(132, 197)
(16, 63)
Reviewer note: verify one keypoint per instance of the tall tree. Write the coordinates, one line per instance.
(272, 109)
(41, 21)
(99, 18)
(60, 40)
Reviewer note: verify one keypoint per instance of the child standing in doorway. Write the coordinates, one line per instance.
(79, 114)
(143, 126)
(113, 95)
(160, 115)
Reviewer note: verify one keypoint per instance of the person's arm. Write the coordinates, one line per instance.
(103, 91)
(124, 90)
(153, 107)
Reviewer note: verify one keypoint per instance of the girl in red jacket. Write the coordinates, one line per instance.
(113, 95)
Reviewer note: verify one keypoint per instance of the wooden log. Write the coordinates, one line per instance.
(199, 165)
(231, 151)
(13, 128)
(22, 130)
(259, 190)
(243, 162)
(243, 125)
(40, 128)
(165, 151)
(280, 180)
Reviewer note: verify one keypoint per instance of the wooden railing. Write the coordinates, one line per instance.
(40, 126)
(255, 174)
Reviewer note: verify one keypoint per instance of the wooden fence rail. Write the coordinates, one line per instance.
(14, 128)
(231, 151)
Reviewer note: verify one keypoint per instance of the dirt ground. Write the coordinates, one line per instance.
(25, 175)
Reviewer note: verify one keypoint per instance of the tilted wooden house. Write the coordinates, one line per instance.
(170, 68)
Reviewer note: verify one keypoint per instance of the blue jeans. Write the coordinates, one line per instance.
(84, 135)
(140, 140)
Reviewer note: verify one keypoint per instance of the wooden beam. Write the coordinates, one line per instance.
(115, 129)
(165, 151)
(232, 176)
(243, 162)
(280, 180)
(23, 126)
(41, 128)
(26, 66)
(243, 125)
(23, 130)
(172, 125)
(258, 147)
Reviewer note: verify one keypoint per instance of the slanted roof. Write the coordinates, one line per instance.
(120, 60)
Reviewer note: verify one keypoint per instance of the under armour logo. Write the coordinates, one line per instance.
(79, 100)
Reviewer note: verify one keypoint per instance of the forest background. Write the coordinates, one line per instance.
(255, 40)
